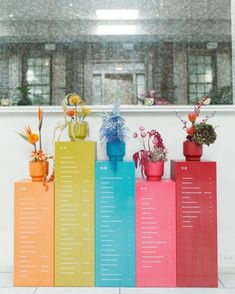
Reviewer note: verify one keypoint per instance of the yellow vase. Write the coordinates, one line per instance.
(78, 130)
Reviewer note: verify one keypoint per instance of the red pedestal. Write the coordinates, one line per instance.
(196, 223)
(155, 234)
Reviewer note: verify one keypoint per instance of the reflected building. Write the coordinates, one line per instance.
(180, 49)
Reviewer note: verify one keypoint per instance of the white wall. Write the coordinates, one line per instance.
(14, 154)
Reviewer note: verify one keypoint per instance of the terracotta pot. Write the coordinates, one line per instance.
(38, 170)
(154, 170)
(78, 130)
(192, 151)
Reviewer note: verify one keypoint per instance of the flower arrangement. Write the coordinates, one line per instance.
(33, 139)
(113, 127)
(74, 108)
(199, 132)
(113, 132)
(153, 148)
(75, 113)
(38, 156)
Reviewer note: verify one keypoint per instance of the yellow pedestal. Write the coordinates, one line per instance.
(74, 213)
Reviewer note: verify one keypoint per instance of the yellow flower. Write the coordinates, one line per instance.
(74, 99)
(85, 111)
(33, 138)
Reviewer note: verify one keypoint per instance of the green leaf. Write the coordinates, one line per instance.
(23, 136)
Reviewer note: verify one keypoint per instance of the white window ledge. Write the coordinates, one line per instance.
(124, 108)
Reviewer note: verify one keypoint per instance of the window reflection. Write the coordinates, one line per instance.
(178, 50)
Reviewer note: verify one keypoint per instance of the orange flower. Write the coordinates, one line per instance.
(33, 138)
(192, 116)
(40, 113)
(191, 131)
(40, 118)
(71, 112)
(28, 131)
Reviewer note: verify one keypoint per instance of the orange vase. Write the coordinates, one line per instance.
(38, 170)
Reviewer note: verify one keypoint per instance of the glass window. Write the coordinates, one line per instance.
(38, 80)
(97, 89)
(201, 80)
(141, 87)
(127, 51)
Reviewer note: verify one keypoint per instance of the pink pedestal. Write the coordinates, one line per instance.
(196, 223)
(155, 234)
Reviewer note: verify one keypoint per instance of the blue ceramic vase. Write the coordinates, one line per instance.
(115, 150)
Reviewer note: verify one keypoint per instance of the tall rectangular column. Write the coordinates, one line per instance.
(74, 213)
(196, 223)
(115, 224)
(155, 234)
(33, 234)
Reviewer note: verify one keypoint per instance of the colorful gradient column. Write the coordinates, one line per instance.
(196, 223)
(74, 213)
(34, 234)
(155, 234)
(115, 224)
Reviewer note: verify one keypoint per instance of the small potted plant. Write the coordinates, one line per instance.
(152, 156)
(38, 164)
(24, 92)
(198, 133)
(113, 132)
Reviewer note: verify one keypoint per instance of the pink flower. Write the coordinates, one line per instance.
(135, 135)
(143, 134)
(155, 141)
(153, 133)
(141, 129)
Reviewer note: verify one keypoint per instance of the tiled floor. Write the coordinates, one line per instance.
(226, 286)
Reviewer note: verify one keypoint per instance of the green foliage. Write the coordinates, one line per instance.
(158, 154)
(204, 134)
(24, 92)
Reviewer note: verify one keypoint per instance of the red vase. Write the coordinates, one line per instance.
(192, 151)
(154, 170)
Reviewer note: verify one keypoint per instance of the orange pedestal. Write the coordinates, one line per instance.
(34, 234)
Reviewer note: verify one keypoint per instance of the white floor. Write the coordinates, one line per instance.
(226, 286)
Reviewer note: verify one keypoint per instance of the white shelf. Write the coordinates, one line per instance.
(124, 109)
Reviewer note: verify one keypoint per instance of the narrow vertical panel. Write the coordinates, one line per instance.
(33, 234)
(196, 223)
(74, 213)
(115, 224)
(155, 234)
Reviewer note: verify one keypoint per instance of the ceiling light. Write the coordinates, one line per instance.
(116, 29)
(117, 14)
(11, 15)
(71, 4)
(119, 67)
